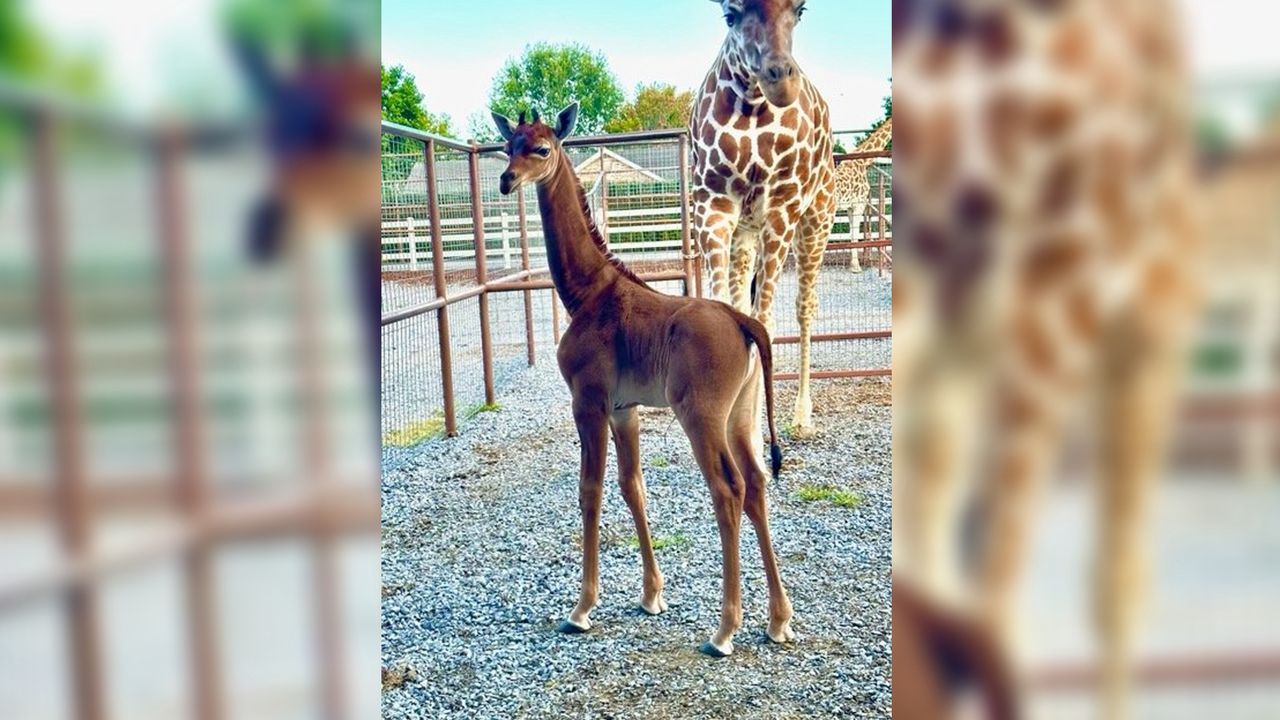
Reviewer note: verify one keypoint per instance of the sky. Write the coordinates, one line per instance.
(455, 48)
(151, 50)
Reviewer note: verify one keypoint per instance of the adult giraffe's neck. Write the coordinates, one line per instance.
(581, 266)
(878, 139)
(734, 78)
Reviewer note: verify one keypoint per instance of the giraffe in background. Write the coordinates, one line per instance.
(1047, 243)
(853, 188)
(763, 175)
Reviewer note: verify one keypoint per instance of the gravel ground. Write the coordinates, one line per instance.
(481, 561)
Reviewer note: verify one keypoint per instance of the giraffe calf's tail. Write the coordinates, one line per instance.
(755, 332)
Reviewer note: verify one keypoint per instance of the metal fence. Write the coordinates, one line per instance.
(466, 298)
(130, 438)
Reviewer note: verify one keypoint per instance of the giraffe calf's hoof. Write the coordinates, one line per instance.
(717, 651)
(782, 634)
(656, 606)
(569, 627)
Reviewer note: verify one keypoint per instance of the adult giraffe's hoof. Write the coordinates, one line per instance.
(656, 606)
(803, 431)
(781, 634)
(717, 651)
(569, 627)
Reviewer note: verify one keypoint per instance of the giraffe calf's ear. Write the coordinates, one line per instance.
(566, 120)
(506, 128)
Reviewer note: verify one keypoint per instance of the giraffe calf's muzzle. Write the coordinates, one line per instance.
(507, 183)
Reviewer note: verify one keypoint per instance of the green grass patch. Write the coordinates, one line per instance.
(475, 410)
(660, 541)
(659, 461)
(834, 495)
(416, 432)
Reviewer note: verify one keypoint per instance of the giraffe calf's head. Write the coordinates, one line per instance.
(760, 32)
(533, 147)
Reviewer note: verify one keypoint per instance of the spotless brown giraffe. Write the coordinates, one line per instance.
(763, 177)
(629, 345)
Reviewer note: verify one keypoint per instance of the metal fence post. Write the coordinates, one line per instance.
(68, 462)
(880, 229)
(477, 222)
(191, 464)
(524, 265)
(437, 274)
(692, 283)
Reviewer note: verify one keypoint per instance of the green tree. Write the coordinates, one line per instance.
(657, 106)
(548, 77)
(402, 103)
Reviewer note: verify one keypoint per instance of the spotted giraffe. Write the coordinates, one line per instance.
(853, 188)
(763, 175)
(1047, 242)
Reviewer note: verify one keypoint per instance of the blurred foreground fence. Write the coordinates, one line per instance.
(166, 408)
(459, 323)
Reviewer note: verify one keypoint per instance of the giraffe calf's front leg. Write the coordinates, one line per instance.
(593, 433)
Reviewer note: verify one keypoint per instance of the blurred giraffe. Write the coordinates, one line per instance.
(853, 188)
(1047, 239)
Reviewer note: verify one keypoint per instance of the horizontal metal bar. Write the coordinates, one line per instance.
(405, 131)
(866, 155)
(859, 245)
(833, 337)
(548, 284)
(35, 497)
(1244, 667)
(826, 374)
(336, 508)
(639, 136)
(467, 294)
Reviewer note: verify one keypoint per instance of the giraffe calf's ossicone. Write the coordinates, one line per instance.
(628, 345)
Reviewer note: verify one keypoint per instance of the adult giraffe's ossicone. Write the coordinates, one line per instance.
(763, 176)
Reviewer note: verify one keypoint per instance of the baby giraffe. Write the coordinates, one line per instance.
(629, 345)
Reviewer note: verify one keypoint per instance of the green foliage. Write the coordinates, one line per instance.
(655, 107)
(402, 103)
(547, 78)
(320, 29)
(659, 461)
(836, 496)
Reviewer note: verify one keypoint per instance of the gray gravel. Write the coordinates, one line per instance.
(480, 562)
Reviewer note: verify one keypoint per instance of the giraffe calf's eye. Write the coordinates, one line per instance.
(732, 18)
(543, 151)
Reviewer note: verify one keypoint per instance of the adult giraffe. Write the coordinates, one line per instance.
(853, 187)
(763, 176)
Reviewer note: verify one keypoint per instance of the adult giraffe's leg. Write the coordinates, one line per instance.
(707, 436)
(715, 220)
(626, 439)
(742, 267)
(855, 229)
(592, 421)
(1139, 382)
(756, 505)
(814, 230)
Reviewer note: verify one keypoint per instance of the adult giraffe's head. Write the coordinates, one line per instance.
(760, 31)
(533, 148)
